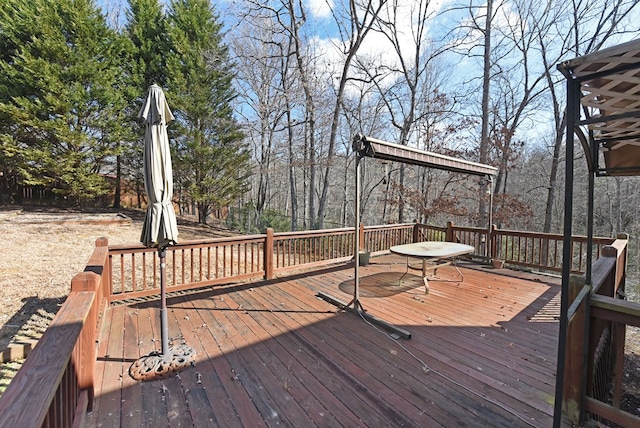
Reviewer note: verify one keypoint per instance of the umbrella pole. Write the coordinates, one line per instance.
(164, 323)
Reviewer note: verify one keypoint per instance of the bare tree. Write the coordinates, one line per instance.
(259, 76)
(580, 27)
(295, 59)
(353, 26)
(407, 97)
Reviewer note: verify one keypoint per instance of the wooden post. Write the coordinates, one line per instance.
(416, 232)
(99, 264)
(361, 238)
(268, 254)
(85, 281)
(575, 364)
(619, 331)
(493, 240)
(621, 274)
(88, 281)
(449, 236)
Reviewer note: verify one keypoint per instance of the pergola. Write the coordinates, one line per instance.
(370, 147)
(603, 112)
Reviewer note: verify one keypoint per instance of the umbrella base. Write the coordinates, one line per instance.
(156, 365)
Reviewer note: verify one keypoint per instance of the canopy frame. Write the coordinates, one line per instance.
(603, 112)
(363, 147)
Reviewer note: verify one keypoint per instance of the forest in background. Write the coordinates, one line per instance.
(269, 95)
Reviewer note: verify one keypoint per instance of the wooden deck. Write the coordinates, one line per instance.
(482, 353)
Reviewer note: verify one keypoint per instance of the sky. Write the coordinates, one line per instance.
(460, 71)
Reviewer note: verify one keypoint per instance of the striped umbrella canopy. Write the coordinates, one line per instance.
(160, 226)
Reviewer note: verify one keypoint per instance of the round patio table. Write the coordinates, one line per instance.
(439, 252)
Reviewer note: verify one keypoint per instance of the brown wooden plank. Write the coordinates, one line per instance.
(132, 400)
(210, 376)
(263, 386)
(310, 345)
(387, 403)
(447, 357)
(350, 338)
(499, 351)
(200, 396)
(320, 382)
(101, 347)
(432, 310)
(305, 363)
(214, 334)
(108, 412)
(284, 359)
(175, 398)
(153, 392)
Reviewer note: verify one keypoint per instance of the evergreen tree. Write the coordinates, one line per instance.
(146, 30)
(212, 165)
(60, 98)
(147, 48)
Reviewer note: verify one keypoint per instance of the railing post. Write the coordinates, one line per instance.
(85, 281)
(621, 277)
(106, 285)
(575, 363)
(361, 238)
(449, 235)
(619, 330)
(268, 254)
(493, 251)
(416, 232)
(88, 281)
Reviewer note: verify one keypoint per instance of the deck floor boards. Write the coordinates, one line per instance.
(271, 353)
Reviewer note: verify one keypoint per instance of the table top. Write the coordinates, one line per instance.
(432, 249)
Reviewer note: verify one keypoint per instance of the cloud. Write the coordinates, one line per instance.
(376, 49)
(320, 9)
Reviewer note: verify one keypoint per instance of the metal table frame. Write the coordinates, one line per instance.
(443, 253)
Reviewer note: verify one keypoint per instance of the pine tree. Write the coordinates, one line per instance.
(212, 165)
(147, 47)
(60, 99)
(147, 31)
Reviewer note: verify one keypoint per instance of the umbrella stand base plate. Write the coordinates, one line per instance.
(156, 365)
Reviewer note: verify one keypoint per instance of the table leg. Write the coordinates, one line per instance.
(424, 276)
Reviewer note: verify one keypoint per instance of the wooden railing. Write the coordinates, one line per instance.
(597, 319)
(378, 239)
(541, 250)
(311, 248)
(55, 387)
(192, 264)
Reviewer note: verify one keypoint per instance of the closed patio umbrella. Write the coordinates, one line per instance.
(160, 227)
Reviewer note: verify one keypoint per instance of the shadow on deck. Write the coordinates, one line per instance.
(482, 352)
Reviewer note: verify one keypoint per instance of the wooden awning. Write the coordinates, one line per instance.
(610, 98)
(372, 147)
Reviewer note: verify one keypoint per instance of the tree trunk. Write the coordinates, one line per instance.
(203, 212)
(118, 191)
(292, 175)
(401, 194)
(553, 174)
(484, 135)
